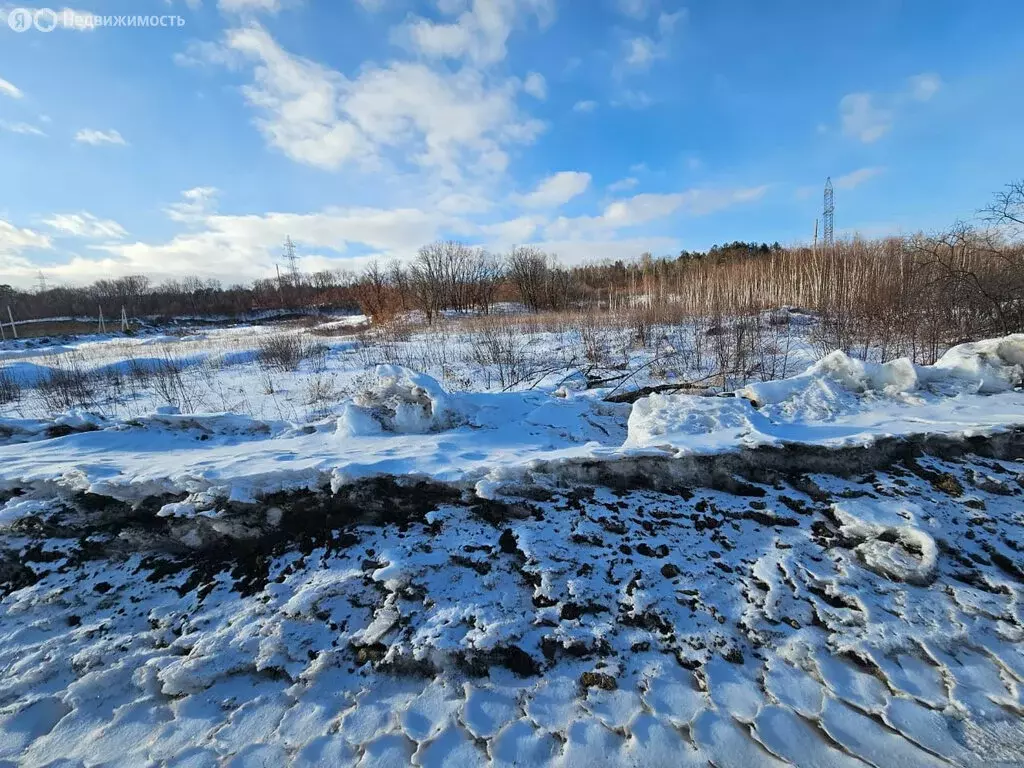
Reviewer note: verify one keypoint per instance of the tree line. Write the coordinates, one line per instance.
(908, 295)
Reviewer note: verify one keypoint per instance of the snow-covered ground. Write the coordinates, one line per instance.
(822, 570)
(225, 369)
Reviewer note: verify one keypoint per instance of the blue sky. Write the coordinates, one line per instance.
(601, 129)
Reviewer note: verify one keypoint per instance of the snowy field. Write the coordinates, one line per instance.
(453, 549)
(302, 373)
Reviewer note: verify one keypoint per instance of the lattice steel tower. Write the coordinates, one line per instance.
(828, 238)
(293, 260)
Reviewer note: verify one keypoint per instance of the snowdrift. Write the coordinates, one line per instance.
(986, 367)
(840, 400)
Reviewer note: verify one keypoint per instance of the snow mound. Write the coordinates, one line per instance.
(14, 430)
(991, 365)
(401, 401)
(834, 376)
(661, 421)
(985, 367)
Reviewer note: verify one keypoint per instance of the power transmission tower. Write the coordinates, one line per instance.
(41, 280)
(828, 236)
(293, 260)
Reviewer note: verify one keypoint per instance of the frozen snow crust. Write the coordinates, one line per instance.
(763, 617)
(824, 571)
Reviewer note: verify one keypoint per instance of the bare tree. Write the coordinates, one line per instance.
(528, 270)
(1008, 206)
(373, 293)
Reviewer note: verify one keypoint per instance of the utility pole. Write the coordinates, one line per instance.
(14, 328)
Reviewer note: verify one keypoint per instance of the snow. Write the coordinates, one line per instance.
(990, 366)
(402, 401)
(425, 575)
(403, 423)
(840, 400)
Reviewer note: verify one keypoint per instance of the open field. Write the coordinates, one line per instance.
(517, 540)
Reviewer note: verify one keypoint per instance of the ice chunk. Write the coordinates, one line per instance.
(661, 420)
(890, 546)
(402, 401)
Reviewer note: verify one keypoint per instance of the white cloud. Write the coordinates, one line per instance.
(85, 225)
(635, 9)
(479, 34)
(647, 207)
(461, 203)
(249, 6)
(14, 240)
(241, 248)
(868, 116)
(631, 99)
(924, 86)
(24, 128)
(641, 51)
(556, 190)
(536, 85)
(604, 249)
(642, 208)
(195, 205)
(447, 122)
(513, 232)
(372, 5)
(667, 21)
(95, 138)
(862, 119)
(584, 106)
(858, 177)
(9, 89)
(623, 185)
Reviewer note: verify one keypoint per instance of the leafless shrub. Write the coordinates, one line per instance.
(284, 352)
(175, 384)
(320, 392)
(501, 350)
(68, 384)
(10, 388)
